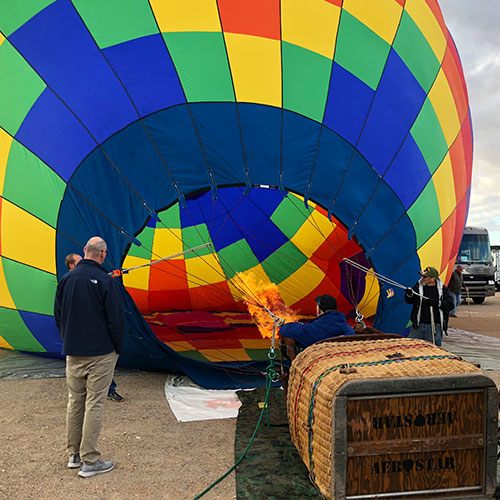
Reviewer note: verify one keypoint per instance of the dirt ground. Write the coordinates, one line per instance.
(157, 458)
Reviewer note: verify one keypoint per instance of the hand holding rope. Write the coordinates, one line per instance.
(383, 278)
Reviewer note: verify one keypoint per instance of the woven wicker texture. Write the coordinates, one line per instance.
(317, 374)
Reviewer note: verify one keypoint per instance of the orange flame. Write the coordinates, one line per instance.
(267, 295)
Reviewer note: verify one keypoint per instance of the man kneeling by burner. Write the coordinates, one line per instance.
(328, 323)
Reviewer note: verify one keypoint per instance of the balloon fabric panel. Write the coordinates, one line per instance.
(286, 135)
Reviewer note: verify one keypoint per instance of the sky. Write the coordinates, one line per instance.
(475, 27)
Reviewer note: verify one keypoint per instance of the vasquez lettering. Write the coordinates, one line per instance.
(428, 464)
(419, 420)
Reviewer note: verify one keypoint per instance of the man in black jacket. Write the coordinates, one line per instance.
(432, 303)
(455, 288)
(71, 262)
(90, 316)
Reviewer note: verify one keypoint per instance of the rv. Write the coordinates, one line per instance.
(476, 260)
(495, 251)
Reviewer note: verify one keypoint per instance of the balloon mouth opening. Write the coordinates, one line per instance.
(265, 250)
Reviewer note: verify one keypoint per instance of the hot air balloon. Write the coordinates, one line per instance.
(286, 135)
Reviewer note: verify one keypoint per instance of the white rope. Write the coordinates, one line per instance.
(379, 276)
(194, 249)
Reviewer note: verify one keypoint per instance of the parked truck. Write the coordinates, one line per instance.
(475, 257)
(495, 251)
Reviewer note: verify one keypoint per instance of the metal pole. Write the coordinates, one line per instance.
(433, 325)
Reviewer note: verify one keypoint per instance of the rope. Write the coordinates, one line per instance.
(118, 272)
(344, 353)
(244, 294)
(271, 376)
(380, 277)
(343, 365)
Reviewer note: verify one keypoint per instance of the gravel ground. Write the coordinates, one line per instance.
(156, 456)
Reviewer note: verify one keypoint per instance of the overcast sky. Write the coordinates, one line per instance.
(475, 27)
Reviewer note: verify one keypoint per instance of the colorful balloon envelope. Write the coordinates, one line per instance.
(285, 136)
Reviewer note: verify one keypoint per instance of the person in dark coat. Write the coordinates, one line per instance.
(455, 288)
(90, 315)
(71, 262)
(328, 323)
(431, 304)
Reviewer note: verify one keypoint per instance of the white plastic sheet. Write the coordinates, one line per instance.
(190, 402)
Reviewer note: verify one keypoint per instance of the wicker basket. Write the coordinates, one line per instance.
(392, 416)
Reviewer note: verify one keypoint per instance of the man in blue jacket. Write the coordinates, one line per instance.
(90, 316)
(328, 323)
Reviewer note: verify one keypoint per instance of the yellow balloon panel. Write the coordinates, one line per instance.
(312, 233)
(203, 270)
(138, 278)
(27, 239)
(300, 283)
(5, 296)
(428, 25)
(167, 242)
(312, 25)
(430, 253)
(4, 344)
(256, 68)
(219, 355)
(368, 304)
(443, 182)
(5, 143)
(188, 15)
(445, 108)
(381, 17)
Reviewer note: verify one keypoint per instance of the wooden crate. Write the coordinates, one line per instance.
(396, 419)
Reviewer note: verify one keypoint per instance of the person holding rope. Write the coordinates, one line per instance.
(432, 303)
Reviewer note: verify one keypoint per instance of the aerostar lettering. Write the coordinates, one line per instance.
(427, 464)
(419, 420)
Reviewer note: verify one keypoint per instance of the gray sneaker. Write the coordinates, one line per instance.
(74, 461)
(100, 467)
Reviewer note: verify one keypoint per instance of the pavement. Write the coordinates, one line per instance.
(479, 318)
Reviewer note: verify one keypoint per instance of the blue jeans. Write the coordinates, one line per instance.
(457, 299)
(424, 332)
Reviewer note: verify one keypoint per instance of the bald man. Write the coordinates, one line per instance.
(90, 316)
(71, 262)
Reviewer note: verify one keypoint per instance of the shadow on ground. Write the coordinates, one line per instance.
(16, 365)
(272, 468)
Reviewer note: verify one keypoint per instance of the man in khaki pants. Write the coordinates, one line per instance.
(90, 316)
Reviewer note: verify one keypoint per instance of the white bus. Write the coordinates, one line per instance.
(476, 259)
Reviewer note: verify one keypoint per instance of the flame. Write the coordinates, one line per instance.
(266, 294)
